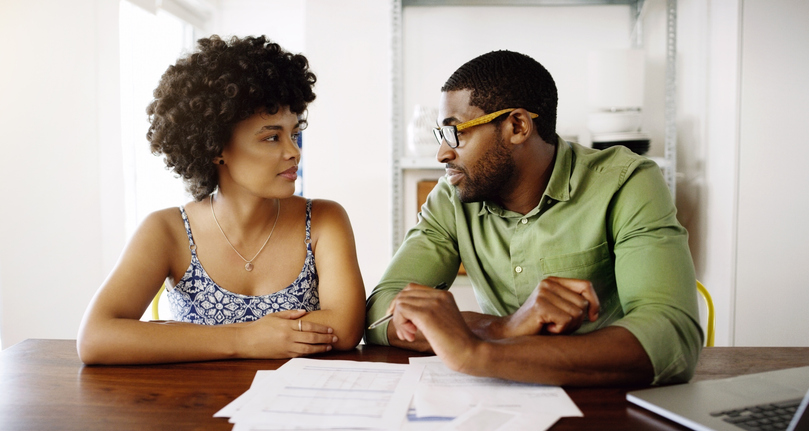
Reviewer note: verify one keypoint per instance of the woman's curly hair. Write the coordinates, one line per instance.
(200, 99)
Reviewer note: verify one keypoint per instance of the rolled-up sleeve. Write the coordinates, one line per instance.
(428, 255)
(654, 274)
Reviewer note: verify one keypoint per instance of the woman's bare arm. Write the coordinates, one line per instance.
(111, 331)
(341, 289)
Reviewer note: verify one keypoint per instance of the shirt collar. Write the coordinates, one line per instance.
(558, 187)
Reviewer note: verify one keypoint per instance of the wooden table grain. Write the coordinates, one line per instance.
(44, 385)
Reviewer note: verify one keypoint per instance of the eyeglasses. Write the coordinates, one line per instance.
(450, 133)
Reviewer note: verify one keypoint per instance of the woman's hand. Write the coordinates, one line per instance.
(285, 335)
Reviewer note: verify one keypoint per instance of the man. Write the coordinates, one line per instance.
(575, 255)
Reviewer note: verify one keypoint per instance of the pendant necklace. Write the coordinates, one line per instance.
(248, 264)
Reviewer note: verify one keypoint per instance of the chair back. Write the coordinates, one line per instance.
(711, 318)
(156, 302)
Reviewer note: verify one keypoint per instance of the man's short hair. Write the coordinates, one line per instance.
(506, 79)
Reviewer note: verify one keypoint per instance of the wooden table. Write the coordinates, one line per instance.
(43, 385)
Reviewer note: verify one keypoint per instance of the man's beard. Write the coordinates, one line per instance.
(488, 176)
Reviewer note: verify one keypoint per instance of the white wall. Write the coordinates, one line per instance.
(742, 100)
(283, 21)
(349, 155)
(708, 138)
(432, 50)
(773, 194)
(61, 223)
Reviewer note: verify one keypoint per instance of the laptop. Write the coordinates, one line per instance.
(738, 403)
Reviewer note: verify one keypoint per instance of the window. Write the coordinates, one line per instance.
(149, 44)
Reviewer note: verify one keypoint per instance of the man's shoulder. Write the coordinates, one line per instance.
(617, 160)
(617, 155)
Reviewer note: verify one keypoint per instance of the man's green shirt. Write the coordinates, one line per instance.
(606, 216)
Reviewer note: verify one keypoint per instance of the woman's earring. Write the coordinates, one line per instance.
(221, 161)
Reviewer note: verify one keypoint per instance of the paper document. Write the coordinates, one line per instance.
(425, 395)
(486, 419)
(330, 394)
(446, 393)
(263, 377)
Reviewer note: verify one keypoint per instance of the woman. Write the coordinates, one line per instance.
(251, 271)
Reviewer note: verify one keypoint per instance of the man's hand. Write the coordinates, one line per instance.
(556, 306)
(434, 313)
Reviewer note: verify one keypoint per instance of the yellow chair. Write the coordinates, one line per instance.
(711, 318)
(156, 302)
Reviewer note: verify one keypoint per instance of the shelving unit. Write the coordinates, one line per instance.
(402, 163)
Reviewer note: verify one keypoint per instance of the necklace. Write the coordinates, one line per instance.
(248, 264)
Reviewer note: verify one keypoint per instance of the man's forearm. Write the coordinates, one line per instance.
(610, 356)
(485, 326)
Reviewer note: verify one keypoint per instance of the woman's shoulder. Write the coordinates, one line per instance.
(164, 217)
(320, 208)
(164, 222)
(328, 216)
(330, 223)
(327, 210)
(161, 235)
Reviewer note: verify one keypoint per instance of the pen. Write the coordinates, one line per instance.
(442, 286)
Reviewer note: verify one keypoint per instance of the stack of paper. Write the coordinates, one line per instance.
(480, 403)
(313, 394)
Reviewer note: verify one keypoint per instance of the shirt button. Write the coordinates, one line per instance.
(518, 269)
(549, 201)
(523, 221)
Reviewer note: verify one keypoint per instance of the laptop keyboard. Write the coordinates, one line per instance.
(764, 417)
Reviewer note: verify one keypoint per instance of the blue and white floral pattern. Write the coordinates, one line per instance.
(198, 299)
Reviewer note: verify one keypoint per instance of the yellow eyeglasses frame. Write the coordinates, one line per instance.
(442, 132)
